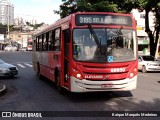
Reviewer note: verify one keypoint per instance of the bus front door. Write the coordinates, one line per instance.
(66, 36)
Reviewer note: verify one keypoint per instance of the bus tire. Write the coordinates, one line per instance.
(144, 69)
(38, 71)
(58, 82)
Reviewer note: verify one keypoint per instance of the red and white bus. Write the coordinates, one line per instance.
(89, 51)
(29, 44)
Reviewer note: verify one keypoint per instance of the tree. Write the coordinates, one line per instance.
(123, 6)
(147, 6)
(5, 27)
(72, 6)
(151, 6)
(35, 26)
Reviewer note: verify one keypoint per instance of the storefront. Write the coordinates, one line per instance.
(143, 46)
(143, 42)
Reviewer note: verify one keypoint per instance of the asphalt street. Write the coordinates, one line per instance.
(26, 92)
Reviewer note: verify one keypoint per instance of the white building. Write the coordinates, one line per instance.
(6, 12)
(143, 39)
(18, 21)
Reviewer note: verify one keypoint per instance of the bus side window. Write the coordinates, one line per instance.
(47, 39)
(57, 39)
(40, 43)
(45, 42)
(50, 41)
(37, 44)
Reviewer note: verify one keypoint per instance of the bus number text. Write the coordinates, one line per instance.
(118, 70)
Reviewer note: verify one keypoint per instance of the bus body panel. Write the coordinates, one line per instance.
(104, 77)
(109, 71)
(92, 86)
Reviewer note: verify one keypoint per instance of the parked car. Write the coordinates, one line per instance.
(148, 63)
(10, 48)
(23, 49)
(7, 69)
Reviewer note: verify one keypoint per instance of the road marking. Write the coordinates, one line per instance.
(28, 64)
(21, 65)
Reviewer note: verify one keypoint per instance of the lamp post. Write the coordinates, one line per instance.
(8, 21)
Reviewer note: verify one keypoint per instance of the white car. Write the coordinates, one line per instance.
(23, 49)
(10, 48)
(148, 63)
(7, 69)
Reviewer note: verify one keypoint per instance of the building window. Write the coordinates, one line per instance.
(142, 16)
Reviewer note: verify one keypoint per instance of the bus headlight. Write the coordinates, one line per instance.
(133, 73)
(77, 74)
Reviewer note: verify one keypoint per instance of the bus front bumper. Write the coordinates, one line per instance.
(91, 86)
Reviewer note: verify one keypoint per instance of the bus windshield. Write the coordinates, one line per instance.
(105, 45)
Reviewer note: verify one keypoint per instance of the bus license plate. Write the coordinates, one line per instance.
(107, 85)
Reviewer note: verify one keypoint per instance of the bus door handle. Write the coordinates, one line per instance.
(55, 57)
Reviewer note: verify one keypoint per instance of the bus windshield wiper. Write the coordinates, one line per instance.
(94, 35)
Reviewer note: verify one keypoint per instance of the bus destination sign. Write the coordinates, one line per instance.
(103, 19)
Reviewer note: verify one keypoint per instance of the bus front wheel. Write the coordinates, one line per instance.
(38, 72)
(58, 82)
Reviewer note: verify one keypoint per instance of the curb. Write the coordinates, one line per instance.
(4, 88)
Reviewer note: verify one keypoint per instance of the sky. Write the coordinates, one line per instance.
(41, 10)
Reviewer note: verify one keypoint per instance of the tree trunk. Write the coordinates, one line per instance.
(150, 34)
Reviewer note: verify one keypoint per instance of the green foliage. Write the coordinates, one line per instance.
(28, 23)
(72, 6)
(5, 27)
(102, 6)
(123, 6)
(34, 26)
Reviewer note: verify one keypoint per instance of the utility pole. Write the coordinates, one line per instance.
(8, 21)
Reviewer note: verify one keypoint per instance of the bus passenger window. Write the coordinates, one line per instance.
(56, 45)
(37, 44)
(44, 43)
(40, 43)
(50, 41)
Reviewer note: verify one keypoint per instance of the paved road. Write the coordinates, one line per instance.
(27, 93)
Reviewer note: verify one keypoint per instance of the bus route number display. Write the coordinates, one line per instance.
(103, 19)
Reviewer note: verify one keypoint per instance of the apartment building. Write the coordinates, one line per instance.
(6, 12)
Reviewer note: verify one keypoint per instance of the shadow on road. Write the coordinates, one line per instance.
(9, 78)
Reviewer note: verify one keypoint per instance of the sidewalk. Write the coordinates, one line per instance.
(2, 88)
